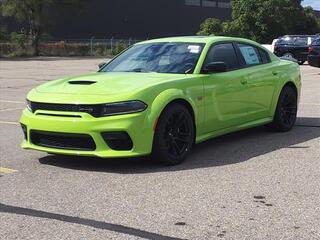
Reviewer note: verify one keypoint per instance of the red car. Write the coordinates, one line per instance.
(314, 53)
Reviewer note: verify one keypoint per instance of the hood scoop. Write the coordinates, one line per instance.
(81, 82)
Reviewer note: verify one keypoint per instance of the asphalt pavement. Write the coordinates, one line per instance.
(254, 184)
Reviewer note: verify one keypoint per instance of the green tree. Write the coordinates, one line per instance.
(33, 12)
(211, 26)
(311, 22)
(3, 33)
(264, 20)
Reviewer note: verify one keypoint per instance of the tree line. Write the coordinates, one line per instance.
(264, 20)
(35, 14)
(259, 20)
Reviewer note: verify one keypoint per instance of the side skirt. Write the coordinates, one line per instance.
(224, 131)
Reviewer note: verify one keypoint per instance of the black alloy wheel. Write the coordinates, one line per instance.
(174, 135)
(286, 112)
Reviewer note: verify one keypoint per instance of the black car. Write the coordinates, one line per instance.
(294, 46)
(314, 53)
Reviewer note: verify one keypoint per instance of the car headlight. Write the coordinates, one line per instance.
(110, 109)
(29, 106)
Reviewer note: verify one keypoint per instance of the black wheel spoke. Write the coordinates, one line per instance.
(288, 109)
(178, 135)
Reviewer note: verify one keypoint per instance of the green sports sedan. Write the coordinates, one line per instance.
(161, 97)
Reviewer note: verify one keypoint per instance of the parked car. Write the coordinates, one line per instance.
(314, 53)
(294, 46)
(160, 97)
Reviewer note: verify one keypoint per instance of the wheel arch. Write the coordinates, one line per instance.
(292, 85)
(288, 83)
(168, 97)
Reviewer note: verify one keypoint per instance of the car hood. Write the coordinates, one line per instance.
(106, 83)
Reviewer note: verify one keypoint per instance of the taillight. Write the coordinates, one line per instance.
(311, 49)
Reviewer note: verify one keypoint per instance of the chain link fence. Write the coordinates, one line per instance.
(69, 47)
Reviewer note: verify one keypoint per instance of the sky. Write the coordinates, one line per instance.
(313, 3)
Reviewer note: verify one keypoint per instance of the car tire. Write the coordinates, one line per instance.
(288, 55)
(286, 111)
(174, 135)
(301, 62)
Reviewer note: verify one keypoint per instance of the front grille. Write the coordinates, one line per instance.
(81, 142)
(94, 110)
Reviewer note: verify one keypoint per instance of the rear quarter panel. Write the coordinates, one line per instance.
(289, 73)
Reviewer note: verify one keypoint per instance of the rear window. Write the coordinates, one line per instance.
(301, 41)
(285, 41)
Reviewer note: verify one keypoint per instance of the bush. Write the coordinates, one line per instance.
(211, 26)
(120, 47)
(3, 34)
(21, 46)
(20, 39)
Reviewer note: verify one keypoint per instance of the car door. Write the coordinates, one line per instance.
(226, 95)
(262, 78)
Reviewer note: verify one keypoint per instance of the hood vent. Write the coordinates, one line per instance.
(81, 82)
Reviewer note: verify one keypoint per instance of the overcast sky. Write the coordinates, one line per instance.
(313, 3)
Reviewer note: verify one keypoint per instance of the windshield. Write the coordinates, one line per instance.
(180, 58)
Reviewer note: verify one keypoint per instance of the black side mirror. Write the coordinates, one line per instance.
(101, 65)
(216, 67)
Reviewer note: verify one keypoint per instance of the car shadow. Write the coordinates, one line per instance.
(225, 150)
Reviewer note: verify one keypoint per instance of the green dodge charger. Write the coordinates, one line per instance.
(161, 97)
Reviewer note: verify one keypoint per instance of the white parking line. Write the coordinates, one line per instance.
(10, 123)
(7, 170)
(9, 101)
(10, 109)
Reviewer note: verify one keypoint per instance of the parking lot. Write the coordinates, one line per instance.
(254, 184)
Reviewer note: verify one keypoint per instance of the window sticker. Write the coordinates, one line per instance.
(250, 55)
(194, 48)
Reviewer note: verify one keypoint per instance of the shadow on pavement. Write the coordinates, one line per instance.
(225, 150)
(85, 222)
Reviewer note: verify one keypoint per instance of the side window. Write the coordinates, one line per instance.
(265, 58)
(301, 41)
(316, 42)
(250, 55)
(223, 52)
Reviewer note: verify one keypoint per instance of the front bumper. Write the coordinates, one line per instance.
(136, 125)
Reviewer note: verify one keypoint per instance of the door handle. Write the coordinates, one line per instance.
(274, 73)
(243, 81)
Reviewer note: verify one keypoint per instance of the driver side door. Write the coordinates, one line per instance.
(226, 93)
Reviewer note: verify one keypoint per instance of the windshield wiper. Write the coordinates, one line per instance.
(136, 70)
(188, 71)
(140, 70)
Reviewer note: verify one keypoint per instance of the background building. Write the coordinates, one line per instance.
(136, 19)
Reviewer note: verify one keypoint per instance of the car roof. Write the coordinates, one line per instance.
(199, 39)
(296, 36)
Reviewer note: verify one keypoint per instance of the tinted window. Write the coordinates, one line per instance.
(223, 52)
(250, 55)
(301, 41)
(285, 41)
(316, 43)
(265, 58)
